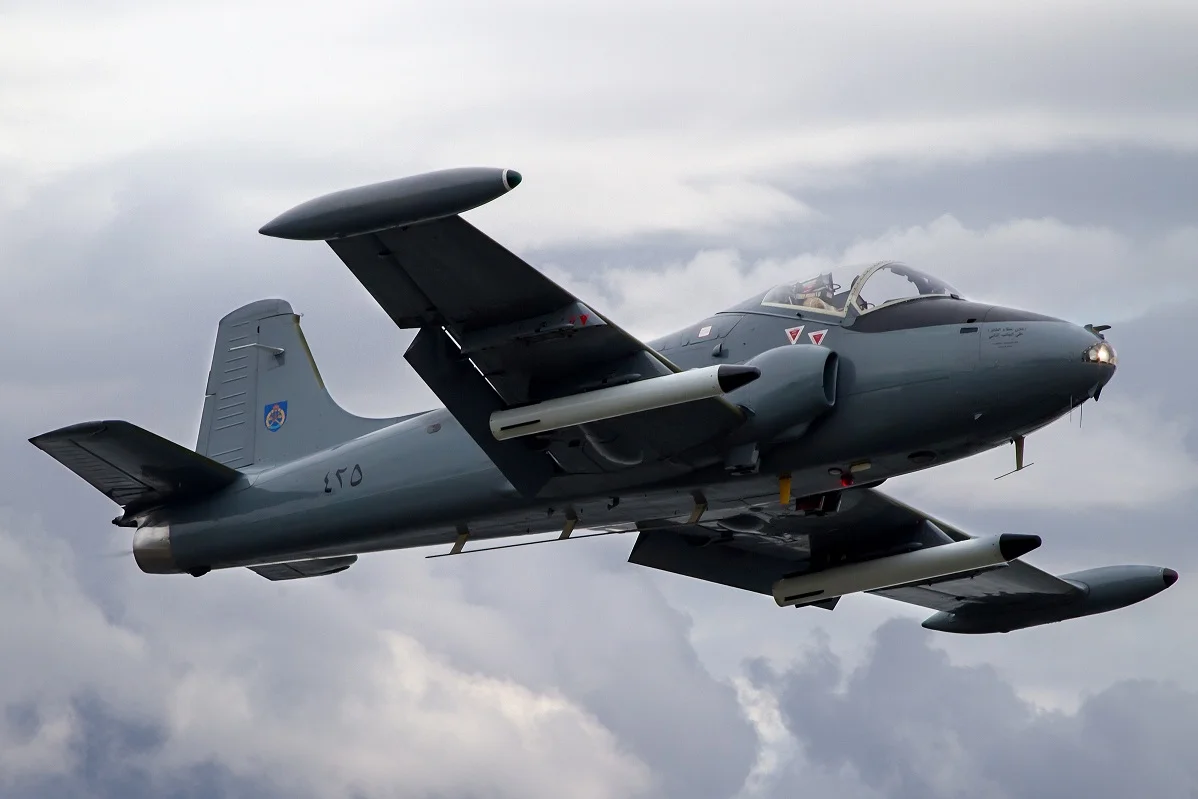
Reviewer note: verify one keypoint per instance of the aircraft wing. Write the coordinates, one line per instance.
(752, 549)
(495, 333)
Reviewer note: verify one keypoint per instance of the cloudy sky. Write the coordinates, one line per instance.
(677, 157)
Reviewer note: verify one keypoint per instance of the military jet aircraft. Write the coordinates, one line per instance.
(744, 450)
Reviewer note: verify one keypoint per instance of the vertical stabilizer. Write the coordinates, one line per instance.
(265, 401)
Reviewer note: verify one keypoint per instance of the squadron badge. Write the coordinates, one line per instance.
(275, 415)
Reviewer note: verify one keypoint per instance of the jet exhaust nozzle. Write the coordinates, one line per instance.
(152, 550)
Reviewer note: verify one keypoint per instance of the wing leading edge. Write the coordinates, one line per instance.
(495, 333)
(868, 529)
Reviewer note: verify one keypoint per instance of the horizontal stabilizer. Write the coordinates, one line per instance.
(298, 569)
(134, 467)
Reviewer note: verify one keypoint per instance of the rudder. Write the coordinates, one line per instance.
(265, 401)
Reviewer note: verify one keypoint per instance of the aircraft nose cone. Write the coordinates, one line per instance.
(1105, 376)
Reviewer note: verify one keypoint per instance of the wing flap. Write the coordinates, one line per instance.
(132, 466)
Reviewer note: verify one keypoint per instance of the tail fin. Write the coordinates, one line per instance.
(265, 401)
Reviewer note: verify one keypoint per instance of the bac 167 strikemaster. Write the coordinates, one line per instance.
(744, 450)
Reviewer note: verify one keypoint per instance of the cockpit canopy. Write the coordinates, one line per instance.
(852, 288)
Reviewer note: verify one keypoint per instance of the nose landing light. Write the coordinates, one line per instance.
(1102, 352)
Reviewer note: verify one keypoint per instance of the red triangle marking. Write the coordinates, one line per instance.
(817, 337)
(793, 333)
(583, 318)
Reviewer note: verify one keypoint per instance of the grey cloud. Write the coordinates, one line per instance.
(113, 756)
(340, 684)
(643, 660)
(910, 723)
(1137, 191)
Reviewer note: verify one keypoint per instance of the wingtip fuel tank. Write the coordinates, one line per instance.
(392, 203)
(1100, 591)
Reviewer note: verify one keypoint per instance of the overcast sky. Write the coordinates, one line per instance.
(677, 157)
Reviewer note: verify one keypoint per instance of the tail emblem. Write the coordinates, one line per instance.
(275, 415)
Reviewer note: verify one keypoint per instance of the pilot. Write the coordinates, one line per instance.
(819, 303)
(818, 295)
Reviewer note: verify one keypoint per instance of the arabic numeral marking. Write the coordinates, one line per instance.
(355, 478)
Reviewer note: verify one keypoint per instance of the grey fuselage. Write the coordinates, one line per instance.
(923, 382)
